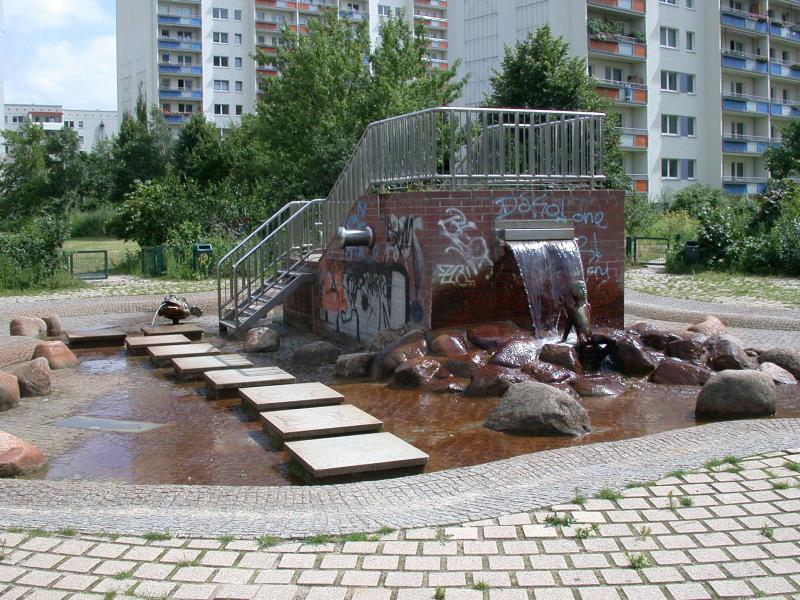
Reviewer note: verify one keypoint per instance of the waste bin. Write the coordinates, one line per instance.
(201, 253)
(691, 253)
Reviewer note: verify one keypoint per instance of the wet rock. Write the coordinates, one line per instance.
(386, 337)
(262, 339)
(34, 378)
(594, 385)
(9, 391)
(538, 409)
(672, 371)
(687, 350)
(29, 327)
(465, 366)
(57, 354)
(709, 326)
(785, 359)
(754, 352)
(545, 372)
(493, 380)
(491, 336)
(411, 345)
(736, 394)
(517, 353)
(448, 385)
(316, 354)
(592, 356)
(779, 375)
(632, 359)
(53, 323)
(658, 339)
(725, 354)
(416, 372)
(354, 365)
(563, 355)
(18, 457)
(607, 335)
(693, 335)
(449, 344)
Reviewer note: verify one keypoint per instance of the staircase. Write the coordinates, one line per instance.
(451, 148)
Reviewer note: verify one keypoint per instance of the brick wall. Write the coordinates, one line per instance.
(435, 264)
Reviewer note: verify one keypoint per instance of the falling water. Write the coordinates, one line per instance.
(548, 270)
(155, 316)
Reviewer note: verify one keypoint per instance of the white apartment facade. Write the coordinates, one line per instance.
(92, 126)
(703, 87)
(190, 56)
(2, 81)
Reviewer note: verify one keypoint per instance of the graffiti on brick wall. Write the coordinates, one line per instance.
(471, 252)
(403, 246)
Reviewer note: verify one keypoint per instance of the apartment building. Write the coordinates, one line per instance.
(92, 126)
(190, 56)
(2, 81)
(703, 87)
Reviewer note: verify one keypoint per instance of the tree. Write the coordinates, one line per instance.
(538, 73)
(784, 161)
(198, 151)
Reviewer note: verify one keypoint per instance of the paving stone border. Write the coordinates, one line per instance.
(484, 491)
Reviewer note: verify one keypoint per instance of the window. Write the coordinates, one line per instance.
(736, 47)
(222, 85)
(737, 88)
(669, 81)
(737, 169)
(166, 83)
(239, 110)
(670, 2)
(669, 124)
(237, 39)
(237, 62)
(689, 84)
(737, 128)
(239, 86)
(384, 11)
(690, 41)
(222, 109)
(220, 13)
(221, 61)
(18, 119)
(69, 124)
(80, 139)
(669, 37)
(165, 58)
(690, 126)
(165, 33)
(669, 168)
(237, 15)
(185, 60)
(80, 124)
(220, 37)
(690, 169)
(689, 3)
(613, 74)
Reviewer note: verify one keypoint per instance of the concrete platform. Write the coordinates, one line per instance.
(346, 455)
(193, 332)
(140, 343)
(279, 397)
(189, 367)
(318, 421)
(161, 355)
(96, 337)
(233, 379)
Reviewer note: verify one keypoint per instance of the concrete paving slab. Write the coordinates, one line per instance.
(193, 332)
(96, 337)
(188, 367)
(345, 455)
(139, 343)
(161, 355)
(280, 397)
(233, 379)
(318, 421)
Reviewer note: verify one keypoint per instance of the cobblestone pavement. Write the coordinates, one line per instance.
(727, 530)
(120, 285)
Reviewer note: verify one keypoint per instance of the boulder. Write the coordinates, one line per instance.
(545, 372)
(607, 335)
(447, 385)
(562, 355)
(538, 409)
(29, 327)
(687, 350)
(33, 377)
(736, 394)
(592, 356)
(491, 336)
(785, 359)
(709, 326)
(416, 372)
(354, 365)
(493, 380)
(595, 385)
(465, 366)
(632, 359)
(386, 337)
(779, 375)
(724, 354)
(693, 335)
(316, 354)
(53, 323)
(57, 354)
(672, 371)
(262, 339)
(18, 457)
(658, 339)
(517, 353)
(9, 391)
(411, 345)
(642, 327)
(449, 344)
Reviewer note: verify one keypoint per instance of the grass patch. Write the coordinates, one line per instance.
(110, 595)
(734, 469)
(122, 575)
(555, 521)
(157, 536)
(189, 563)
(677, 473)
(725, 460)
(609, 494)
(644, 531)
(267, 541)
(579, 498)
(637, 561)
(481, 586)
(768, 532)
(439, 594)
(317, 540)
(66, 532)
(582, 533)
(37, 532)
(780, 485)
(442, 536)
(686, 502)
(225, 539)
(792, 466)
(15, 530)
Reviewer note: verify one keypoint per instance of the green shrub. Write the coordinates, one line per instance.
(784, 244)
(696, 198)
(94, 223)
(31, 257)
(677, 226)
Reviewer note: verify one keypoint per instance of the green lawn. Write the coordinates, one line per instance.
(116, 248)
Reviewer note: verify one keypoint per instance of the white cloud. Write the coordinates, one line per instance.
(34, 15)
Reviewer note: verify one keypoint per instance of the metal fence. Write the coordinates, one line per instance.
(647, 250)
(87, 264)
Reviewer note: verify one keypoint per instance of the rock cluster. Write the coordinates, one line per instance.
(35, 327)
(18, 457)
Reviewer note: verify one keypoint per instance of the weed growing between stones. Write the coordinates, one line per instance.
(2, 550)
(582, 533)
(644, 531)
(481, 586)
(780, 485)
(768, 532)
(686, 502)
(608, 494)
(792, 466)
(321, 539)
(555, 521)
(728, 459)
(189, 563)
(439, 594)
(157, 536)
(225, 539)
(677, 473)
(637, 561)
(110, 595)
(37, 532)
(267, 541)
(122, 575)
(442, 536)
(579, 498)
(769, 473)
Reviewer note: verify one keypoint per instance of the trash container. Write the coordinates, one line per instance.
(201, 253)
(691, 253)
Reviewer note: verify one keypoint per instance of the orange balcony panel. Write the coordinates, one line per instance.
(640, 50)
(304, 6)
(639, 6)
(612, 93)
(641, 186)
(636, 6)
(603, 46)
(444, 66)
(640, 96)
(640, 141)
(267, 26)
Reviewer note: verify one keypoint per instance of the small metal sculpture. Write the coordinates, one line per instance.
(177, 309)
(579, 315)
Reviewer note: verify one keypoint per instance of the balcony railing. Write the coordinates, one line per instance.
(747, 144)
(780, 68)
(759, 105)
(177, 69)
(618, 45)
(431, 3)
(622, 91)
(633, 139)
(743, 61)
(732, 184)
(177, 118)
(179, 44)
(783, 30)
(633, 6)
(183, 94)
(731, 17)
(180, 21)
(641, 183)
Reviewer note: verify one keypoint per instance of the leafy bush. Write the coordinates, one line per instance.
(32, 257)
(94, 223)
(677, 226)
(696, 198)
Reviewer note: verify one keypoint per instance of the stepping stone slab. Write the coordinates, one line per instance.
(163, 354)
(96, 337)
(194, 366)
(319, 421)
(193, 332)
(233, 379)
(256, 400)
(140, 343)
(345, 455)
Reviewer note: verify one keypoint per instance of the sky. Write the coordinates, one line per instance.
(60, 52)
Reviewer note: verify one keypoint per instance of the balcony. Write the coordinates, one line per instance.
(739, 19)
(623, 92)
(747, 144)
(641, 183)
(431, 3)
(180, 94)
(637, 7)
(617, 45)
(179, 44)
(179, 21)
(437, 43)
(785, 31)
(742, 61)
(353, 15)
(177, 118)
(745, 103)
(311, 6)
(176, 69)
(741, 186)
(431, 22)
(788, 70)
(632, 139)
(784, 108)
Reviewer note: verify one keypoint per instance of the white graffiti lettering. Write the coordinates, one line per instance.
(472, 250)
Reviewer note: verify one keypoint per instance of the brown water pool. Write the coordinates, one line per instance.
(206, 442)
